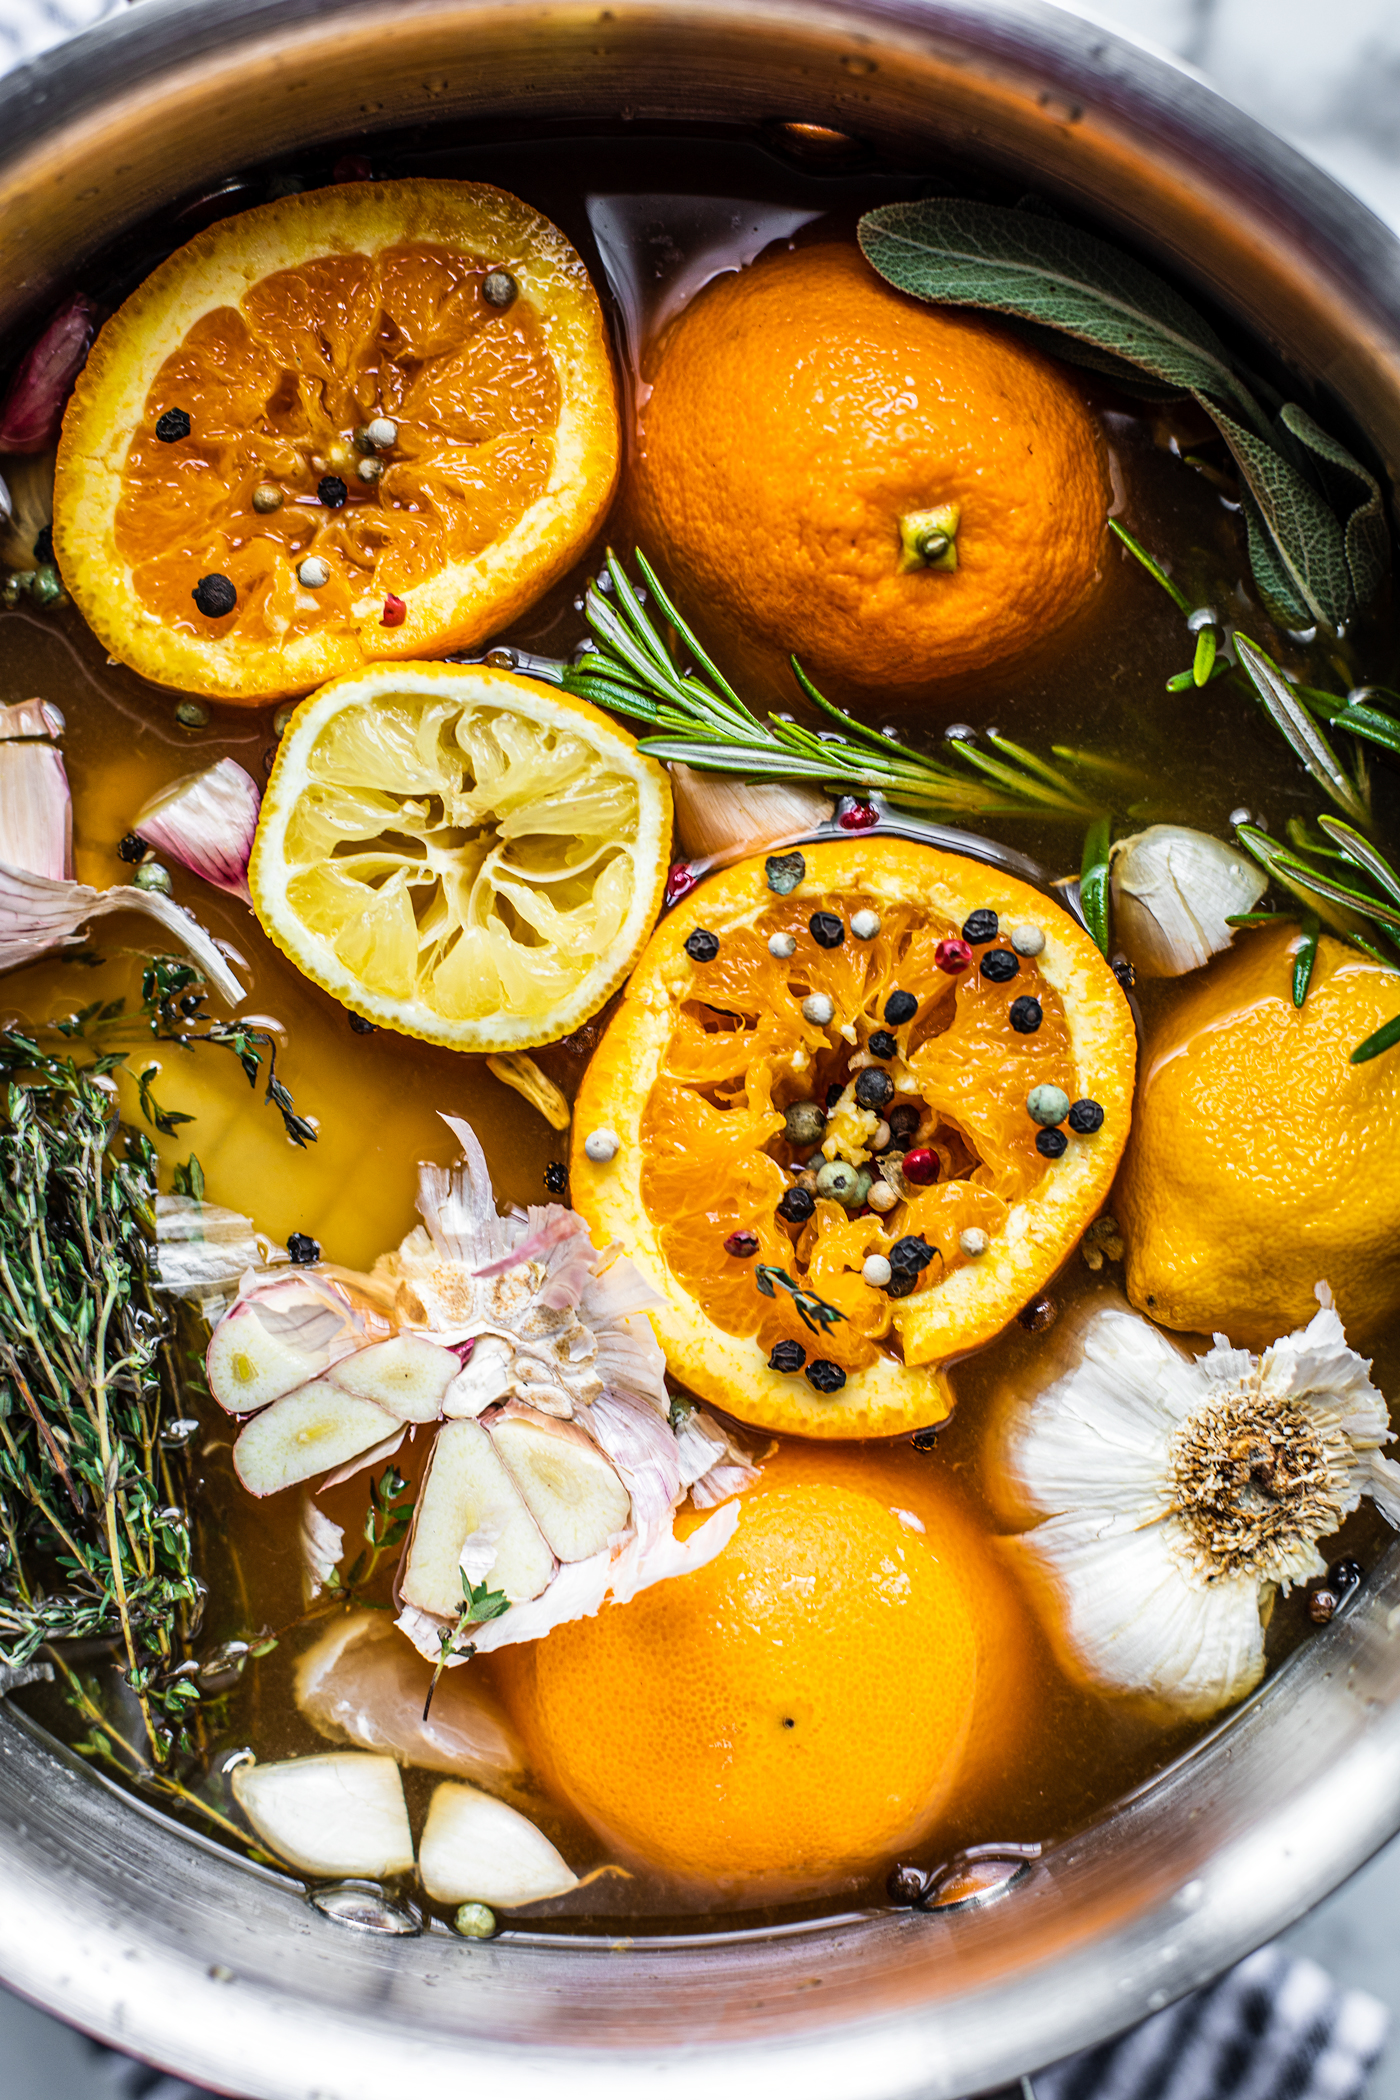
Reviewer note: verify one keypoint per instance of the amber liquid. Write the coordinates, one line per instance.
(635, 208)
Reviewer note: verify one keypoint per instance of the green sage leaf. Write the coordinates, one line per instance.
(1353, 493)
(1306, 536)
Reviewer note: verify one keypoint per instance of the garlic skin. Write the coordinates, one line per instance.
(1173, 891)
(1179, 1493)
(717, 813)
(206, 822)
(36, 813)
(31, 718)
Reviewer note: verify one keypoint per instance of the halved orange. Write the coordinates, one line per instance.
(702, 1059)
(414, 375)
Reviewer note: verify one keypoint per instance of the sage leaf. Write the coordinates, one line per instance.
(1354, 494)
(1272, 580)
(1307, 537)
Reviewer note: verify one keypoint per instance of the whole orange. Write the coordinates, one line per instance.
(795, 1712)
(802, 408)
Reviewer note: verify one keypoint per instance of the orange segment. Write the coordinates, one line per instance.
(281, 334)
(701, 1062)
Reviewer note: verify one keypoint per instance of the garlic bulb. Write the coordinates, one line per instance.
(206, 823)
(1178, 1493)
(1173, 892)
(717, 813)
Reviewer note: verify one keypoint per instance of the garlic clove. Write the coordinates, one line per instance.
(36, 814)
(1173, 891)
(717, 813)
(305, 1433)
(31, 718)
(467, 1491)
(568, 1486)
(343, 1813)
(407, 1374)
(362, 1684)
(206, 822)
(476, 1849)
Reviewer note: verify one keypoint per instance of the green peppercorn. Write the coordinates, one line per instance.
(804, 1125)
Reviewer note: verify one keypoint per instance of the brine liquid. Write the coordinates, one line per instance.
(655, 219)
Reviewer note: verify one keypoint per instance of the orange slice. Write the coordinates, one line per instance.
(702, 1059)
(279, 335)
(463, 855)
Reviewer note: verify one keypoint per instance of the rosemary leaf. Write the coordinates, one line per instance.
(1306, 957)
(1306, 739)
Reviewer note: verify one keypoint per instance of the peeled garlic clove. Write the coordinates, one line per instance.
(206, 823)
(716, 813)
(339, 1814)
(1173, 892)
(362, 1683)
(477, 1850)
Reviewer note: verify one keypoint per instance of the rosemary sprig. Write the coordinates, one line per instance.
(814, 1312)
(696, 717)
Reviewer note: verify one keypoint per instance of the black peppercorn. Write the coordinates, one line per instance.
(215, 596)
(361, 1026)
(1039, 1315)
(1051, 1144)
(902, 1282)
(910, 1254)
(172, 426)
(924, 1439)
(1322, 1606)
(43, 545)
(1126, 975)
(874, 1088)
(825, 1376)
(903, 1123)
(499, 288)
(826, 929)
(702, 946)
(905, 1886)
(1085, 1117)
(131, 848)
(1025, 1015)
(979, 927)
(1345, 1574)
(900, 1007)
(882, 1044)
(999, 966)
(833, 1094)
(332, 491)
(796, 1206)
(787, 1356)
(303, 1248)
(556, 1177)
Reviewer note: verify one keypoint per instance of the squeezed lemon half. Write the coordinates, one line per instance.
(460, 854)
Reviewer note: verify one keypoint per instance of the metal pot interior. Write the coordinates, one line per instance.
(171, 1948)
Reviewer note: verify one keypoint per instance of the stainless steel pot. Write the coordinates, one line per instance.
(168, 1947)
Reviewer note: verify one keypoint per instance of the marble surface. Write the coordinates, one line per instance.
(1327, 78)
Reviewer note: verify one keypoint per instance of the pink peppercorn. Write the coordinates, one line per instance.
(744, 1244)
(953, 956)
(395, 611)
(680, 881)
(920, 1165)
(353, 167)
(857, 816)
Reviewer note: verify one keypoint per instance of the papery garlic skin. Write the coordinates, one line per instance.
(36, 813)
(719, 814)
(1170, 1515)
(206, 822)
(1174, 891)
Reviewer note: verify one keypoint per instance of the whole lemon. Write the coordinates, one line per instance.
(792, 1714)
(897, 493)
(1262, 1161)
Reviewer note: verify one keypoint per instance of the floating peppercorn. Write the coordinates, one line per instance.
(902, 1283)
(1047, 1105)
(556, 1177)
(795, 1206)
(131, 848)
(784, 871)
(353, 167)
(743, 1245)
(680, 881)
(1025, 1014)
(874, 1088)
(152, 876)
(303, 1248)
(602, 1146)
(837, 1180)
(903, 1122)
(855, 815)
(313, 574)
(499, 288)
(865, 925)
(911, 1254)
(1028, 939)
(906, 1885)
(826, 929)
(1322, 1606)
(952, 957)
(876, 1271)
(973, 1241)
(882, 1044)
(702, 946)
(825, 1376)
(43, 545)
(1051, 1144)
(1126, 975)
(804, 1125)
(267, 497)
(1040, 1315)
(395, 610)
(1345, 1574)
(999, 966)
(818, 1008)
(192, 714)
(1085, 1117)
(782, 946)
(215, 596)
(361, 1026)
(882, 1197)
(980, 927)
(787, 1356)
(331, 491)
(921, 1165)
(924, 1439)
(172, 426)
(900, 1007)
(833, 1094)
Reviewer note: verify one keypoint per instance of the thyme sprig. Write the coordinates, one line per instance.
(814, 1312)
(697, 717)
(385, 1528)
(479, 1603)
